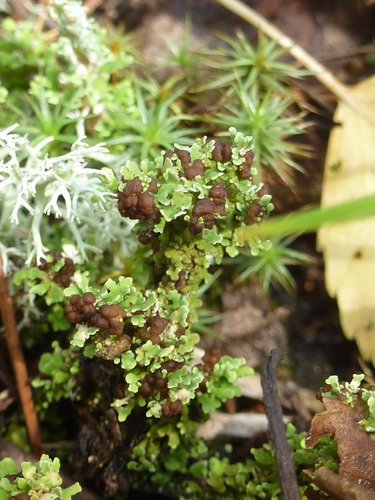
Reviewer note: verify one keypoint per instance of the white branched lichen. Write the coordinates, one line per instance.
(35, 187)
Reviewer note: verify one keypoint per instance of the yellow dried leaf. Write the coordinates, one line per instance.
(349, 249)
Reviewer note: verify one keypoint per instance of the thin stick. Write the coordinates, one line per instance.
(342, 92)
(276, 428)
(19, 366)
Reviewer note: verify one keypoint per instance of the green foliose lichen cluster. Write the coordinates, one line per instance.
(39, 481)
(187, 466)
(189, 203)
(147, 329)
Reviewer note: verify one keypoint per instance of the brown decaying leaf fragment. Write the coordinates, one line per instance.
(355, 448)
(336, 487)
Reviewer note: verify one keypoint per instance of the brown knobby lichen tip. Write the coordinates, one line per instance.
(138, 204)
(108, 318)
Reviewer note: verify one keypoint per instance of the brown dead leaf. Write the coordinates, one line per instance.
(355, 448)
(337, 487)
(249, 327)
(349, 248)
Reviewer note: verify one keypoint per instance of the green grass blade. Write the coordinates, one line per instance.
(308, 220)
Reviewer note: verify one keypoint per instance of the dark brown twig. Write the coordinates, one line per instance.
(18, 362)
(276, 428)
